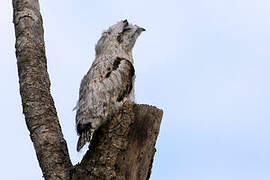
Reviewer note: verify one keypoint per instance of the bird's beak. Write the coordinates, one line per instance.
(142, 29)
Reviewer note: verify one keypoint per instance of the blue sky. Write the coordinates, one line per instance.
(204, 62)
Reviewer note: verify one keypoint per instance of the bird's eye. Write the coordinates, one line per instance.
(126, 29)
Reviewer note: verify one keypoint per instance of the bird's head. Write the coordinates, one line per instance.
(121, 35)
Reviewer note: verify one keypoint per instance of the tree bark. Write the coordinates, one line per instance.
(38, 106)
(123, 148)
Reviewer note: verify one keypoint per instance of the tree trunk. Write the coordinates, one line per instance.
(38, 106)
(123, 148)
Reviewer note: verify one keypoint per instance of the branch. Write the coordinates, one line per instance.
(124, 147)
(38, 106)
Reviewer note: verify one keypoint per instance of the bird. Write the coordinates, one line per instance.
(109, 82)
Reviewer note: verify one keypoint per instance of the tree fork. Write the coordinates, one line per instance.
(123, 148)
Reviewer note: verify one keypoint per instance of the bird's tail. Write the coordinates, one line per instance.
(83, 139)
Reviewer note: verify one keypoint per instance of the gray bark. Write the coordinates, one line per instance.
(38, 105)
(121, 149)
(124, 147)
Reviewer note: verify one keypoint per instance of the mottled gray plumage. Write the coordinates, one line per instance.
(110, 80)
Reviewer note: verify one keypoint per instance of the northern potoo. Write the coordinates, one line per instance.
(110, 80)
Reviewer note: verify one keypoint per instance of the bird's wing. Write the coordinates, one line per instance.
(106, 84)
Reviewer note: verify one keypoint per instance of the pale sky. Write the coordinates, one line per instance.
(206, 63)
